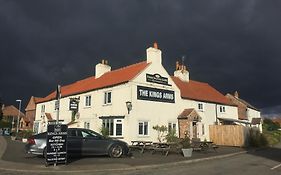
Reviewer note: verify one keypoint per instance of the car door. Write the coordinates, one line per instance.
(74, 141)
(93, 144)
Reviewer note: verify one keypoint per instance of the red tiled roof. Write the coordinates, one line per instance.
(11, 111)
(108, 79)
(195, 90)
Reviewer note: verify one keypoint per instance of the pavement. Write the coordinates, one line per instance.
(13, 158)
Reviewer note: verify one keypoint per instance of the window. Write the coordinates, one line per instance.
(88, 100)
(87, 125)
(43, 108)
(222, 109)
(107, 98)
(143, 128)
(200, 107)
(114, 126)
(203, 129)
(172, 126)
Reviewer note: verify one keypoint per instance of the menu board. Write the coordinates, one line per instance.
(56, 144)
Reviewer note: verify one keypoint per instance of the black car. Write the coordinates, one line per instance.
(80, 142)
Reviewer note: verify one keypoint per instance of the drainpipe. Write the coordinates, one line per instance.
(217, 114)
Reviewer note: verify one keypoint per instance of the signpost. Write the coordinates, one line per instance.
(56, 144)
(56, 150)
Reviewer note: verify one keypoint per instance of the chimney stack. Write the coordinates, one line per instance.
(153, 54)
(236, 94)
(181, 72)
(102, 68)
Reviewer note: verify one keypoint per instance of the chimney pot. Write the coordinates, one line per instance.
(155, 45)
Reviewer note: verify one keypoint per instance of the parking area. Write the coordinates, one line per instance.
(15, 153)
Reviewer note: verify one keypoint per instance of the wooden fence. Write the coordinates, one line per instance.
(229, 135)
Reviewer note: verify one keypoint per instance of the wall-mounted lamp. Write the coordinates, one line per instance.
(129, 106)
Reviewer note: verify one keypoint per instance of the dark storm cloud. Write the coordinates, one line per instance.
(231, 44)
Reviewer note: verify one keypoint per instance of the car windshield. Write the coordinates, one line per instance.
(90, 133)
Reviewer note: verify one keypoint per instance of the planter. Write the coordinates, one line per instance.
(187, 152)
(24, 140)
(13, 137)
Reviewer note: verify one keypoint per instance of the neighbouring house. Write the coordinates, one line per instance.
(131, 100)
(277, 120)
(26, 123)
(247, 114)
(11, 114)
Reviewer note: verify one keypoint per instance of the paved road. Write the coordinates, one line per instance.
(266, 161)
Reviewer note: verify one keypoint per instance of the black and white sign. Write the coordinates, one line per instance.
(156, 78)
(56, 144)
(73, 104)
(154, 94)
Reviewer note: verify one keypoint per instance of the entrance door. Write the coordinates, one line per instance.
(194, 129)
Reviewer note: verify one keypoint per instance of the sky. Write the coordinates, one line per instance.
(230, 44)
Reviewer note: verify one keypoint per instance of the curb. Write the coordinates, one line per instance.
(57, 168)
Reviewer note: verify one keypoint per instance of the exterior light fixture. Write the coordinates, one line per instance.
(129, 106)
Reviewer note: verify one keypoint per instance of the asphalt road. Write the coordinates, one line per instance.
(264, 162)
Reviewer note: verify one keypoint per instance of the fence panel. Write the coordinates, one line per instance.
(229, 135)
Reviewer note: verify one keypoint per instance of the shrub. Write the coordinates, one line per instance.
(104, 131)
(160, 131)
(257, 139)
(171, 136)
(185, 142)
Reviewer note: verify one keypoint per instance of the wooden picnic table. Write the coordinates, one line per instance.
(203, 145)
(163, 147)
(140, 144)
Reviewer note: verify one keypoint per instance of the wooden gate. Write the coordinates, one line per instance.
(229, 135)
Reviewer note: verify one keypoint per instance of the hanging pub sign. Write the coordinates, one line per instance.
(56, 150)
(73, 104)
(157, 78)
(154, 94)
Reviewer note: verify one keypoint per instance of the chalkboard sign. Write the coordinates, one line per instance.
(56, 144)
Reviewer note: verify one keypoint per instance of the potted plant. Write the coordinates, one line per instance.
(186, 147)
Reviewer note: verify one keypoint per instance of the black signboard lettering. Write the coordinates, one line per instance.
(73, 104)
(56, 144)
(154, 94)
(157, 78)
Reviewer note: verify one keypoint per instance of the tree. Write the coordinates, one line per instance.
(160, 131)
(1, 112)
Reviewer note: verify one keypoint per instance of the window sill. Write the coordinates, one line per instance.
(87, 107)
(108, 104)
(116, 137)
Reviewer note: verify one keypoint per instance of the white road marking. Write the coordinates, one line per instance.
(275, 167)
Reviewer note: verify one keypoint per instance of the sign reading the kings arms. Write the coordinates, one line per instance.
(154, 94)
(156, 78)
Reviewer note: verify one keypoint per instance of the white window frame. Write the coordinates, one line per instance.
(42, 108)
(116, 121)
(200, 106)
(203, 129)
(173, 126)
(222, 109)
(106, 100)
(143, 128)
(88, 100)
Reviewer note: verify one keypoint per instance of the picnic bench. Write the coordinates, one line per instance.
(203, 145)
(165, 148)
(140, 145)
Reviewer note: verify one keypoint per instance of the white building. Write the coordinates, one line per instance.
(131, 100)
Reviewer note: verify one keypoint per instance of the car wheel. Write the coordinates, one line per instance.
(116, 151)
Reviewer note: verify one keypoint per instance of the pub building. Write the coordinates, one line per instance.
(131, 100)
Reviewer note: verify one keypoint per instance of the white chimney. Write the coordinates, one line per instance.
(102, 68)
(181, 72)
(154, 55)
